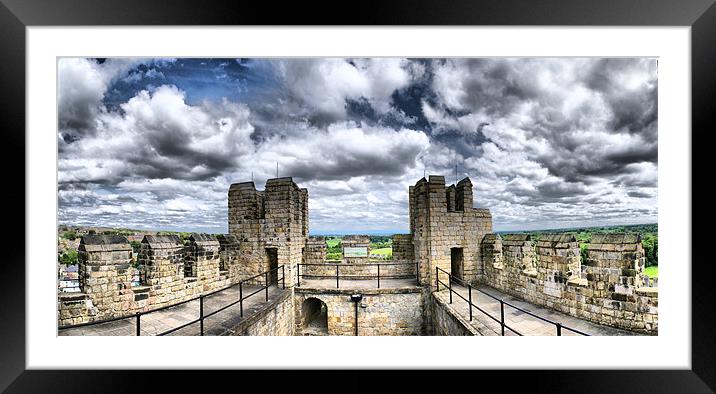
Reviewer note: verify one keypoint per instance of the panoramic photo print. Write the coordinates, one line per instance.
(357, 196)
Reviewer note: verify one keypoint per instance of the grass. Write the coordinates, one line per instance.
(332, 242)
(652, 271)
(385, 251)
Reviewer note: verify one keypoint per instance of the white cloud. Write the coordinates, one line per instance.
(326, 84)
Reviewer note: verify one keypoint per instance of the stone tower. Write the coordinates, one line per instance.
(446, 229)
(272, 225)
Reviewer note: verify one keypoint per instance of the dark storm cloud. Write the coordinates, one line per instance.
(558, 189)
(585, 162)
(640, 195)
(633, 111)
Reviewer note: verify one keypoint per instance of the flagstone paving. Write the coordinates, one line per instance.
(520, 321)
(161, 321)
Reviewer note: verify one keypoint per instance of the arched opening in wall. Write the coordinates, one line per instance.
(314, 315)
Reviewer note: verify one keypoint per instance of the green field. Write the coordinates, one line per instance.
(383, 251)
(333, 242)
(652, 271)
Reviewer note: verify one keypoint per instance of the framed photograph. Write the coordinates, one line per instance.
(371, 196)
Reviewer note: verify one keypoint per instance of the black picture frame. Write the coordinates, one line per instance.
(16, 15)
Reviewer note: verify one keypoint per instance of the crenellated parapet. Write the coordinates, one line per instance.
(403, 247)
(202, 259)
(446, 229)
(170, 271)
(271, 224)
(104, 273)
(607, 288)
(315, 251)
(161, 266)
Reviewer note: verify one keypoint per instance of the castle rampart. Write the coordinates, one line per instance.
(269, 228)
(607, 288)
(315, 252)
(170, 272)
(403, 247)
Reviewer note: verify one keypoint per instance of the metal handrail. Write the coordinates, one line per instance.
(337, 276)
(201, 297)
(501, 321)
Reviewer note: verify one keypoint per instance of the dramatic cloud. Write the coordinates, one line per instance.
(345, 150)
(157, 135)
(324, 85)
(155, 143)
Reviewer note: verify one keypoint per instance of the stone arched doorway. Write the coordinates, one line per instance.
(314, 316)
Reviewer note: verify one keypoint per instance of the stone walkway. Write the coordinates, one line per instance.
(166, 319)
(520, 321)
(357, 283)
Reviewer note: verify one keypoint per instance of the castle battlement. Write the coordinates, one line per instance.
(604, 283)
(446, 229)
(271, 223)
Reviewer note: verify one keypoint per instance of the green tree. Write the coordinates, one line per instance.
(69, 257)
(650, 242)
(136, 245)
(71, 235)
(583, 251)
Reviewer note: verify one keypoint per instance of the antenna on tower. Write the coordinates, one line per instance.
(276, 169)
(252, 176)
(456, 174)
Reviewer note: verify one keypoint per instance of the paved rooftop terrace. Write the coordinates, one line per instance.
(166, 319)
(158, 322)
(518, 320)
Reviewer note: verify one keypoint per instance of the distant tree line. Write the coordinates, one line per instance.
(649, 237)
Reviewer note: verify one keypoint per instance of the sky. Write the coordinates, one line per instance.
(547, 142)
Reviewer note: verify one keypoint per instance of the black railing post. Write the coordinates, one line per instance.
(469, 299)
(267, 283)
(139, 324)
(450, 286)
(502, 316)
(417, 274)
(283, 277)
(298, 275)
(336, 276)
(437, 280)
(559, 329)
(241, 298)
(201, 314)
(379, 276)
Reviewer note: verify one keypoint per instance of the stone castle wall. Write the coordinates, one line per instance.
(444, 218)
(386, 312)
(272, 319)
(608, 288)
(235, 260)
(276, 218)
(391, 269)
(165, 264)
(447, 321)
(315, 252)
(104, 276)
(403, 247)
(355, 241)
